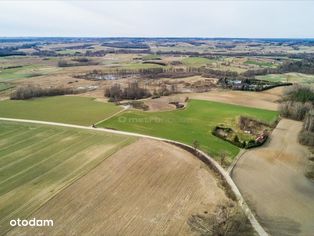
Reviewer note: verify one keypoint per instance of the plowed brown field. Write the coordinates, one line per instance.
(272, 180)
(147, 188)
(264, 100)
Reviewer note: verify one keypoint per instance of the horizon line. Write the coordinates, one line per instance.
(153, 37)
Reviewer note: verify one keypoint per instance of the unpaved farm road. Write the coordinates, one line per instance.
(255, 224)
(271, 180)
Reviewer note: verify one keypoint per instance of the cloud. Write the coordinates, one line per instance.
(157, 18)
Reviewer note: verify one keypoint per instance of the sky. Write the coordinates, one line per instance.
(157, 18)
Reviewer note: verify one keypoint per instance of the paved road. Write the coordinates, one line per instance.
(258, 228)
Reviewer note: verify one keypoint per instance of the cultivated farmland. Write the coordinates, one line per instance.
(37, 161)
(147, 188)
(64, 109)
(193, 123)
(23, 72)
(267, 99)
(272, 180)
(289, 77)
(196, 61)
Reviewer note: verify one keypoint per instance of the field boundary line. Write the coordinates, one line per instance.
(255, 224)
(118, 112)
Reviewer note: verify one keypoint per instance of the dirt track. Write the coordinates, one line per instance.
(148, 188)
(272, 181)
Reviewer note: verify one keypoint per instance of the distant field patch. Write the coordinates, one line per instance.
(259, 63)
(137, 66)
(5, 86)
(37, 161)
(25, 72)
(64, 109)
(196, 61)
(68, 51)
(193, 123)
(151, 57)
(288, 77)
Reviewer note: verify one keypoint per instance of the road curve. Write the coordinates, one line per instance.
(256, 225)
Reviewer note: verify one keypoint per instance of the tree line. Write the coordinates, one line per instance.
(298, 104)
(133, 91)
(32, 91)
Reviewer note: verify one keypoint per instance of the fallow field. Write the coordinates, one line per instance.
(271, 179)
(37, 162)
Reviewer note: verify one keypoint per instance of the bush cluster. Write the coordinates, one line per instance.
(306, 138)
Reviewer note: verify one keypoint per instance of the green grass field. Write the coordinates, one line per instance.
(288, 77)
(151, 57)
(25, 72)
(259, 63)
(196, 61)
(37, 161)
(64, 109)
(68, 51)
(193, 123)
(5, 86)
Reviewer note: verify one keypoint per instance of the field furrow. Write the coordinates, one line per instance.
(39, 161)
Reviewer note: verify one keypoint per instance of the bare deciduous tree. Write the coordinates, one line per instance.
(227, 220)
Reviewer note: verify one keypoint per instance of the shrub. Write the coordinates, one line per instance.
(139, 105)
(310, 174)
(63, 63)
(306, 138)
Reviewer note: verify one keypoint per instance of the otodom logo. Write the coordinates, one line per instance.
(32, 222)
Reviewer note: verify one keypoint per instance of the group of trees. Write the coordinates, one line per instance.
(306, 66)
(297, 101)
(31, 91)
(14, 50)
(159, 72)
(298, 104)
(127, 45)
(227, 220)
(133, 91)
(83, 61)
